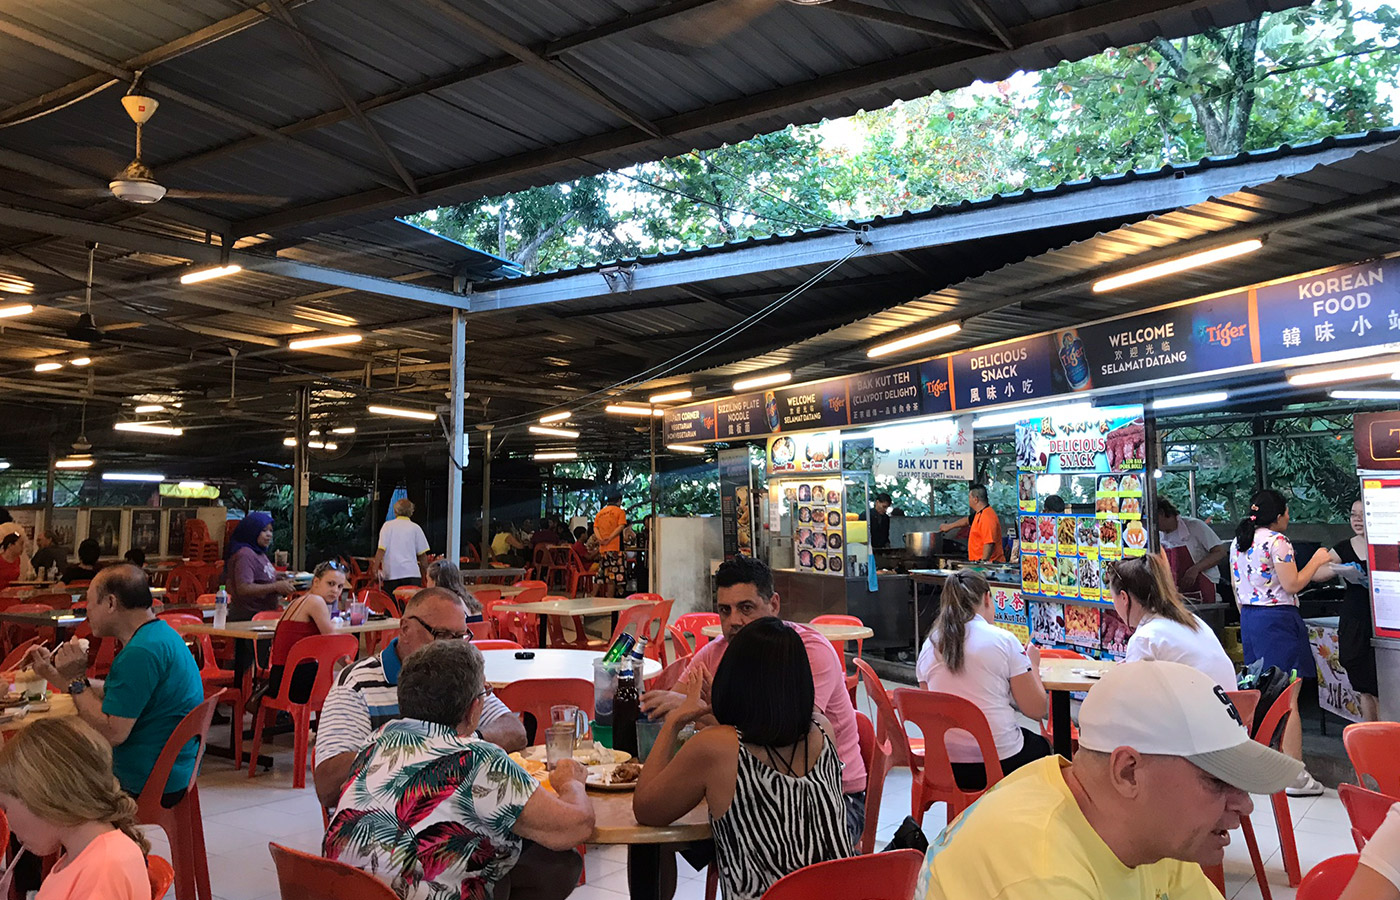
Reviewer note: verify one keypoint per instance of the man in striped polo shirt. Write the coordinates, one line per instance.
(367, 694)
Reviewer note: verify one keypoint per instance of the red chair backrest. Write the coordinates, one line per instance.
(4, 831)
(876, 755)
(204, 644)
(267, 615)
(840, 646)
(935, 714)
(1246, 702)
(680, 642)
(380, 602)
(481, 631)
(534, 592)
(644, 619)
(497, 644)
(888, 726)
(1270, 730)
(194, 726)
(1374, 751)
(1327, 879)
(646, 598)
(51, 601)
(308, 877)
(325, 650)
(691, 623)
(511, 625)
(12, 659)
(534, 697)
(1366, 810)
(875, 876)
(161, 875)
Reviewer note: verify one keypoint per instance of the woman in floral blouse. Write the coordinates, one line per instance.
(1267, 581)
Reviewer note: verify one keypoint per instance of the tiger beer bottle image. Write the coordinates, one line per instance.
(1074, 361)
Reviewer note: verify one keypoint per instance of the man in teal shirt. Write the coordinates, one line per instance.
(154, 682)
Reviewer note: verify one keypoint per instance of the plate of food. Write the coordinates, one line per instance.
(819, 562)
(819, 540)
(1030, 572)
(1134, 535)
(1089, 574)
(1130, 484)
(614, 777)
(818, 494)
(1086, 533)
(833, 518)
(594, 754)
(804, 514)
(804, 537)
(1064, 533)
(804, 493)
(818, 449)
(784, 451)
(833, 540)
(1049, 575)
(1106, 504)
(1028, 530)
(804, 559)
(1047, 530)
(1109, 533)
(835, 563)
(1108, 484)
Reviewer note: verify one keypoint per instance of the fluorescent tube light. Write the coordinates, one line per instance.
(316, 445)
(762, 381)
(329, 340)
(554, 432)
(672, 396)
(344, 429)
(132, 476)
(192, 485)
(1180, 264)
(555, 455)
(4, 464)
(48, 366)
(206, 274)
(914, 340)
(149, 408)
(81, 361)
(1364, 395)
(1308, 377)
(1208, 398)
(22, 309)
(401, 413)
(145, 428)
(684, 448)
(554, 417)
(624, 410)
(73, 464)
(289, 442)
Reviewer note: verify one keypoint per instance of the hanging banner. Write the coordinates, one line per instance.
(1002, 373)
(1182, 340)
(939, 449)
(690, 424)
(819, 405)
(879, 396)
(740, 417)
(801, 453)
(735, 501)
(1083, 440)
(1345, 309)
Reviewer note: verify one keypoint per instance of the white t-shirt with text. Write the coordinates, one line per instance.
(1158, 637)
(991, 658)
(401, 540)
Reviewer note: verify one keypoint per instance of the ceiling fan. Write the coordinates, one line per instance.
(137, 183)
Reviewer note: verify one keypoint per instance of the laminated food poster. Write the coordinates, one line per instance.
(1047, 623)
(1081, 625)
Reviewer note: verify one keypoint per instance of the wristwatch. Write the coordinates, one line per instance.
(77, 686)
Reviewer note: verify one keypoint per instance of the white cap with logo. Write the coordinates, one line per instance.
(1169, 709)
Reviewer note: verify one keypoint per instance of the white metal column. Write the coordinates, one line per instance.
(457, 447)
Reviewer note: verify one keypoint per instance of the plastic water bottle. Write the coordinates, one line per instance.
(221, 608)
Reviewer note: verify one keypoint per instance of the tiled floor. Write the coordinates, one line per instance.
(241, 816)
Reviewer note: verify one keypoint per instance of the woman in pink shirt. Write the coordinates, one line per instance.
(58, 792)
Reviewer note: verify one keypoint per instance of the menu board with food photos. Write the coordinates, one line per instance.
(818, 525)
(735, 496)
(801, 453)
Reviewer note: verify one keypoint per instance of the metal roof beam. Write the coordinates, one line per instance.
(186, 43)
(1113, 199)
(56, 45)
(209, 254)
(915, 23)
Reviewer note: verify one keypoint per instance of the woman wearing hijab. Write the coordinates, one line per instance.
(251, 581)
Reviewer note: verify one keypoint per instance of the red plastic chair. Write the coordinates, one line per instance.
(13, 658)
(556, 571)
(514, 626)
(488, 598)
(670, 676)
(581, 577)
(1374, 751)
(1329, 878)
(1366, 810)
(935, 714)
(215, 678)
(1056, 653)
(183, 823)
(101, 651)
(184, 584)
(643, 597)
(840, 646)
(496, 644)
(380, 602)
(1245, 702)
(302, 876)
(532, 592)
(876, 876)
(52, 601)
(690, 625)
(646, 619)
(580, 640)
(161, 874)
(888, 727)
(534, 696)
(1270, 732)
(876, 755)
(325, 650)
(481, 631)
(12, 634)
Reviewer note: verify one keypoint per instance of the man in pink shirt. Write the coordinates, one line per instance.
(745, 593)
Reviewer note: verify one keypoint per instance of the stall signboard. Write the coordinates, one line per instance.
(1180, 340)
(799, 454)
(1347, 309)
(740, 417)
(1083, 440)
(1353, 308)
(1377, 440)
(941, 449)
(692, 424)
(735, 501)
(1010, 613)
(1380, 506)
(1334, 691)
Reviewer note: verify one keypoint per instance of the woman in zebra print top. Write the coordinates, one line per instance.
(768, 771)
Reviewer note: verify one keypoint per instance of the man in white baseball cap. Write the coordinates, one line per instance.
(1164, 772)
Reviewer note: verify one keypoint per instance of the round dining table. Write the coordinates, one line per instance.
(60, 707)
(1062, 677)
(502, 667)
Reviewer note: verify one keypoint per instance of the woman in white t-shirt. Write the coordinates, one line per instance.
(1146, 599)
(968, 656)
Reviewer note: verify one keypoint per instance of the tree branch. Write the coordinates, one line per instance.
(1315, 63)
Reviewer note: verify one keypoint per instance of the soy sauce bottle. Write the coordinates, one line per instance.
(626, 709)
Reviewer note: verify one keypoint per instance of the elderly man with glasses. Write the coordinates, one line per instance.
(366, 695)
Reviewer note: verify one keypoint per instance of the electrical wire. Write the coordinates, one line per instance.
(44, 112)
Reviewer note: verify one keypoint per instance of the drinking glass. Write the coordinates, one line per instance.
(564, 714)
(647, 730)
(358, 613)
(559, 743)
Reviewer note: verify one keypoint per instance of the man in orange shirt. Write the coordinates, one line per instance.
(984, 540)
(608, 526)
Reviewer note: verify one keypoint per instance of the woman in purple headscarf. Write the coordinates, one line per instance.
(253, 585)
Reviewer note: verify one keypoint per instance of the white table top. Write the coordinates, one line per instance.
(575, 606)
(503, 668)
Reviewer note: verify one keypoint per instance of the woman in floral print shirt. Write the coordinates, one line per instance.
(440, 815)
(1267, 581)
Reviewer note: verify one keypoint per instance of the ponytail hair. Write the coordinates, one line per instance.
(1148, 580)
(963, 593)
(1264, 509)
(62, 770)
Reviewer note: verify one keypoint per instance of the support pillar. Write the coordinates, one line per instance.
(457, 440)
(301, 480)
(486, 497)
